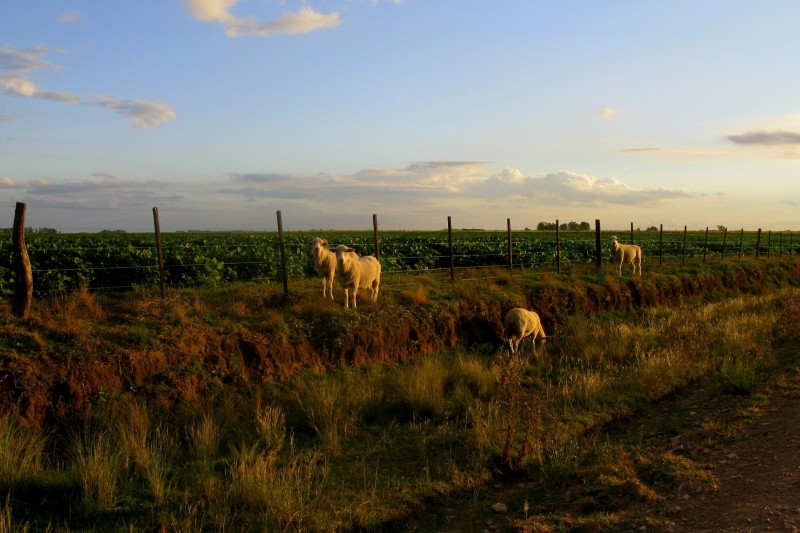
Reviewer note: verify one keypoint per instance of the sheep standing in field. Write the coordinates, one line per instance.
(521, 323)
(324, 264)
(625, 253)
(355, 272)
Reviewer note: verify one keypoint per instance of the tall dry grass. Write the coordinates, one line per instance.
(97, 468)
(22, 451)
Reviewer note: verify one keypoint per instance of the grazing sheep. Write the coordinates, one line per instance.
(355, 272)
(521, 323)
(625, 253)
(324, 264)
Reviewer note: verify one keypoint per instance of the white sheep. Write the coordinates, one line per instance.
(521, 323)
(355, 272)
(625, 253)
(324, 264)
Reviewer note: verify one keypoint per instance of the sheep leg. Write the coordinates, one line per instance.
(346, 297)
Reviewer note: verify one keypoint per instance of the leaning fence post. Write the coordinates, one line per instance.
(23, 276)
(597, 252)
(660, 243)
(450, 245)
(705, 245)
(282, 247)
(159, 251)
(758, 244)
(558, 249)
(510, 257)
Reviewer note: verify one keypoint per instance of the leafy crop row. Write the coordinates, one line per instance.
(63, 262)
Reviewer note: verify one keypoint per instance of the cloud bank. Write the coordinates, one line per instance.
(17, 67)
(442, 180)
(304, 20)
(418, 194)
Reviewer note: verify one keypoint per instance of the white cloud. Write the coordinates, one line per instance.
(608, 112)
(211, 10)
(16, 67)
(142, 114)
(10, 183)
(510, 175)
(304, 20)
(69, 17)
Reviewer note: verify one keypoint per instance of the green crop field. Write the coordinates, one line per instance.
(63, 262)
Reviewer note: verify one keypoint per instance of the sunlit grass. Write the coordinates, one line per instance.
(282, 455)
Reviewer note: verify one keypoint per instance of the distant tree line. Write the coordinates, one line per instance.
(48, 231)
(574, 226)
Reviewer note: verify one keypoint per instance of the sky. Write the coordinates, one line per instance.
(220, 113)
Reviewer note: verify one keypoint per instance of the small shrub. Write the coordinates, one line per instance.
(738, 377)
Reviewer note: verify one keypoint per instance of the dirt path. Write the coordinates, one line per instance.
(758, 477)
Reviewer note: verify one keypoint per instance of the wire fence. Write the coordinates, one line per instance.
(123, 260)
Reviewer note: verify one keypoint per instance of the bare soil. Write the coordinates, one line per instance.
(757, 474)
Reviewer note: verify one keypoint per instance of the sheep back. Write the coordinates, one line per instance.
(520, 323)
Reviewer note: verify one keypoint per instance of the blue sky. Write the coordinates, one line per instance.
(221, 112)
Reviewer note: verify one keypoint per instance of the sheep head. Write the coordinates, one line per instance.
(343, 253)
(316, 243)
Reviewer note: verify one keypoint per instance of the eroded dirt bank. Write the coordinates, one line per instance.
(78, 351)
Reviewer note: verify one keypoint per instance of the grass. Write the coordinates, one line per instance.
(367, 446)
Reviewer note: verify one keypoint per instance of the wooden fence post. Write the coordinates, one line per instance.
(510, 256)
(282, 246)
(683, 257)
(741, 242)
(724, 241)
(660, 243)
(450, 244)
(758, 244)
(705, 245)
(159, 251)
(598, 253)
(23, 276)
(769, 243)
(558, 249)
(375, 236)
(631, 232)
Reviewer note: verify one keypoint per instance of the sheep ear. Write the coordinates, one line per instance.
(324, 243)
